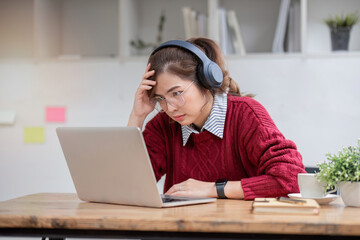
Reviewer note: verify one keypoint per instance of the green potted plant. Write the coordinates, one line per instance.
(340, 27)
(342, 170)
(141, 45)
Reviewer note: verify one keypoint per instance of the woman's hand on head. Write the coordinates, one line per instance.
(193, 188)
(142, 104)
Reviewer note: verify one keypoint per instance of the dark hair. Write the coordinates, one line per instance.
(183, 63)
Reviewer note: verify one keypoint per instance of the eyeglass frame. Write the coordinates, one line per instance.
(156, 101)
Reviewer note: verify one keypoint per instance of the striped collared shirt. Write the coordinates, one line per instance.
(216, 121)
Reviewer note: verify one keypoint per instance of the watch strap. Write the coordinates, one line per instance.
(220, 188)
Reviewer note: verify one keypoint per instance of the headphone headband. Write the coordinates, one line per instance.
(209, 73)
(185, 45)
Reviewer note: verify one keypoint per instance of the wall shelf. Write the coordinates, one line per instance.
(69, 30)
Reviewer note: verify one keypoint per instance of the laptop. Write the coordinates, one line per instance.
(112, 165)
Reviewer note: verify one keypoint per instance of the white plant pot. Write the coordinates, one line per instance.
(350, 193)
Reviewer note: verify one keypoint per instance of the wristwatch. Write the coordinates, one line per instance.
(220, 185)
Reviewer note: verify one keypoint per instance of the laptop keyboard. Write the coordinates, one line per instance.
(168, 198)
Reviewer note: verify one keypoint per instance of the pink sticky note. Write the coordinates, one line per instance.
(55, 114)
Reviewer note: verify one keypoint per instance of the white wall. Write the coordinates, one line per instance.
(314, 102)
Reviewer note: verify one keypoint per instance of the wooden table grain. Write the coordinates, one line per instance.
(63, 214)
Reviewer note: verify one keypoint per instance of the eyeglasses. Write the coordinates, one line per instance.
(174, 98)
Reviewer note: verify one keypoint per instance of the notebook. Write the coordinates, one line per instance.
(112, 165)
(286, 206)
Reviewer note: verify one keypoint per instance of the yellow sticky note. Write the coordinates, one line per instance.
(34, 135)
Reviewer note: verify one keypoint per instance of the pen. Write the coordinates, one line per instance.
(291, 200)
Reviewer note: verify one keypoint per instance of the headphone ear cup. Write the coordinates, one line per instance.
(213, 75)
(201, 77)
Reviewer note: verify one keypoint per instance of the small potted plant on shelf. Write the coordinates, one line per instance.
(141, 45)
(340, 28)
(343, 171)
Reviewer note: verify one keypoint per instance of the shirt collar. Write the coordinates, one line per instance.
(216, 121)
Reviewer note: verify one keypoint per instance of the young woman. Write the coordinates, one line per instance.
(207, 138)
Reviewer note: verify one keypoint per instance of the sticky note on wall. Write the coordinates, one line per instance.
(55, 114)
(34, 135)
(7, 117)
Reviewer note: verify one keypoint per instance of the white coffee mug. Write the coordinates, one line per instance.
(311, 187)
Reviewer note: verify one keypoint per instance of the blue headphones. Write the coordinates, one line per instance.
(208, 72)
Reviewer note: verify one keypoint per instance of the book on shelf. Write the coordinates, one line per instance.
(292, 39)
(279, 37)
(231, 41)
(235, 33)
(226, 42)
(202, 24)
(195, 23)
(213, 20)
(291, 206)
(223, 27)
(187, 23)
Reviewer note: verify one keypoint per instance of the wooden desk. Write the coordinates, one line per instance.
(58, 215)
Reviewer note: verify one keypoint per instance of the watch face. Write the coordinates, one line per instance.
(222, 180)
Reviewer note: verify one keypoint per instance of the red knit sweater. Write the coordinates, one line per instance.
(252, 150)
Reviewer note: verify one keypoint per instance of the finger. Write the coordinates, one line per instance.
(173, 189)
(148, 67)
(148, 74)
(145, 87)
(170, 191)
(148, 82)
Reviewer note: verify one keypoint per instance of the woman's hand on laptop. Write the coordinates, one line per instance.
(193, 188)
